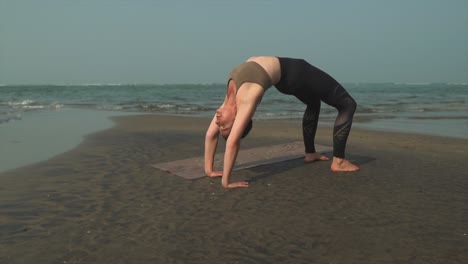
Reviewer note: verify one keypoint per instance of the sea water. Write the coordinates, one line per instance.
(33, 114)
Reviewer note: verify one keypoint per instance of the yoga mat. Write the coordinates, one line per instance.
(193, 168)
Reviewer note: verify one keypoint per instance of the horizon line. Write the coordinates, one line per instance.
(213, 84)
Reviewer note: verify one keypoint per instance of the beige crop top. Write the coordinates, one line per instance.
(250, 71)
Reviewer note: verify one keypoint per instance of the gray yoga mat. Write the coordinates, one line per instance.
(193, 168)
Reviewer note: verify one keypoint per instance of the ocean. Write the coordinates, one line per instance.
(33, 114)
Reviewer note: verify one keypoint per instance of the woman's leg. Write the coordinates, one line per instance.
(309, 129)
(309, 125)
(346, 106)
(339, 98)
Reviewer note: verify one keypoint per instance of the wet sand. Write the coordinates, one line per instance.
(102, 203)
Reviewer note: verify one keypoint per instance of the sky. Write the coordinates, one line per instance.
(200, 41)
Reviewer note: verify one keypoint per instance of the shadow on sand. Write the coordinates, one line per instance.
(270, 170)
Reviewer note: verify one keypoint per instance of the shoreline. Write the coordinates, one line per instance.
(44, 135)
(21, 154)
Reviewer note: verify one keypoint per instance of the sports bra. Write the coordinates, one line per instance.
(250, 71)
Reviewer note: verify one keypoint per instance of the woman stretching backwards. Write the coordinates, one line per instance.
(248, 83)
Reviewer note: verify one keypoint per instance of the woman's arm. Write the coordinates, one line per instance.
(244, 114)
(211, 141)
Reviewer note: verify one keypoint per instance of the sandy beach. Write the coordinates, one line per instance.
(102, 203)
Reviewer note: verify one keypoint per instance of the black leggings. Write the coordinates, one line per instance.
(346, 106)
(311, 85)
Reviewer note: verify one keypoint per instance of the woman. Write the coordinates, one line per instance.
(246, 86)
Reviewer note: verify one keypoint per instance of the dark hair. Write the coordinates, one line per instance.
(247, 129)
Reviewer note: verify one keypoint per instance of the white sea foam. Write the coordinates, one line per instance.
(110, 107)
(56, 105)
(25, 102)
(165, 106)
(33, 107)
(99, 84)
(458, 84)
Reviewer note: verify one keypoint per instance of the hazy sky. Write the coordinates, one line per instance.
(200, 41)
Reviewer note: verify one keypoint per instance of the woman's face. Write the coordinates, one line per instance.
(224, 120)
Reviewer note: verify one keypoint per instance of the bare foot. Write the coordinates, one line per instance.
(342, 165)
(311, 157)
